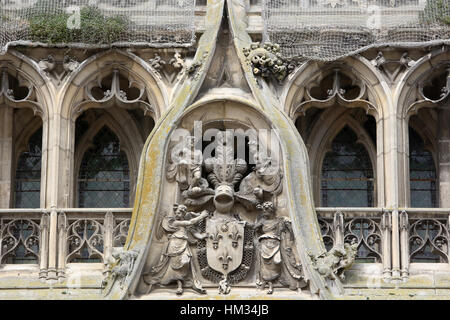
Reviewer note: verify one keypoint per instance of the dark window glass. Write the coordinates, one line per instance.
(347, 175)
(28, 174)
(422, 173)
(104, 178)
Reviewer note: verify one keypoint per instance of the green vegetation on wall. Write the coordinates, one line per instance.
(436, 11)
(94, 27)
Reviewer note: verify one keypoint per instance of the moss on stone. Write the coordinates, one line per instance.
(436, 11)
(94, 27)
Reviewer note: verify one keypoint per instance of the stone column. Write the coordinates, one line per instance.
(394, 183)
(53, 247)
(386, 231)
(58, 187)
(6, 155)
(444, 157)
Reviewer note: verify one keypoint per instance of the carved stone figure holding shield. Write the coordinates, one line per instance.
(175, 264)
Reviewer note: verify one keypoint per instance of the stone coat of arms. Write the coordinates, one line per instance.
(224, 245)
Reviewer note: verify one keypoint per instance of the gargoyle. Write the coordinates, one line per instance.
(333, 263)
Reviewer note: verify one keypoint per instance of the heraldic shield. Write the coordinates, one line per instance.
(224, 244)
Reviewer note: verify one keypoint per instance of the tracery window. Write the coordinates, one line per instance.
(28, 174)
(104, 176)
(422, 173)
(347, 175)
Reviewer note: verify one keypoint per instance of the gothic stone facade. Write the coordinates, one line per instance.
(357, 206)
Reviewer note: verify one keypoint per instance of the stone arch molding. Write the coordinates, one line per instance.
(410, 98)
(410, 93)
(114, 78)
(372, 92)
(34, 92)
(322, 137)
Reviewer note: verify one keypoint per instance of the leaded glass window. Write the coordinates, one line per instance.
(28, 174)
(104, 176)
(347, 175)
(422, 173)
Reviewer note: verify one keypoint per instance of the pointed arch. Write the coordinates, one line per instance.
(418, 111)
(347, 175)
(376, 101)
(129, 139)
(28, 168)
(423, 178)
(320, 140)
(103, 177)
(378, 92)
(23, 89)
(28, 74)
(104, 64)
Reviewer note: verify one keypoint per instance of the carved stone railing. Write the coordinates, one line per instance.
(394, 238)
(54, 239)
(424, 237)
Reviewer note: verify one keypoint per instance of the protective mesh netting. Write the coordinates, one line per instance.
(97, 23)
(330, 29)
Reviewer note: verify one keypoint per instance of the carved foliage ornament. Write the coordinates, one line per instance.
(58, 70)
(195, 68)
(267, 61)
(115, 90)
(335, 88)
(170, 69)
(392, 67)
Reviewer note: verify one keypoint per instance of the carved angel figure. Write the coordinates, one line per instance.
(186, 166)
(175, 264)
(186, 169)
(262, 184)
(277, 260)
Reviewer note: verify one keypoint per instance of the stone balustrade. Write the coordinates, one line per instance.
(57, 239)
(54, 239)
